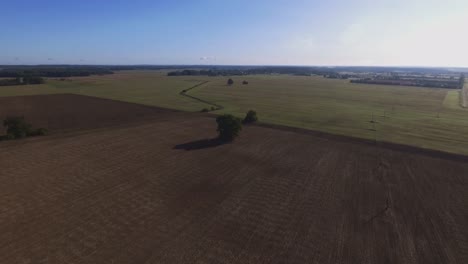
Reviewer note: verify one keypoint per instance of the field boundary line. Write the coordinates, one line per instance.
(464, 96)
(184, 93)
(434, 153)
(155, 107)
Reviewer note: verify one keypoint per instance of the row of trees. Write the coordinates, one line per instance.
(202, 73)
(419, 82)
(22, 81)
(52, 71)
(239, 71)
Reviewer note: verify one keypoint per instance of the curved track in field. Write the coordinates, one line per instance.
(185, 93)
(464, 96)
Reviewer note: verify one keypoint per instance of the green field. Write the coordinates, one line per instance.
(143, 87)
(424, 117)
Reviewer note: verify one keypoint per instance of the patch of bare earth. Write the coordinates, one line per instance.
(67, 112)
(159, 191)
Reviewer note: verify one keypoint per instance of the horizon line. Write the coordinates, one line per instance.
(242, 65)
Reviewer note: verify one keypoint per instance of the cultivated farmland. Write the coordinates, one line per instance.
(152, 191)
(63, 112)
(142, 87)
(424, 117)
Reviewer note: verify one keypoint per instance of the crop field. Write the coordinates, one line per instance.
(158, 191)
(424, 117)
(62, 112)
(142, 87)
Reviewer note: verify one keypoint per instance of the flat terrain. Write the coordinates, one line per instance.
(159, 191)
(64, 112)
(142, 87)
(423, 117)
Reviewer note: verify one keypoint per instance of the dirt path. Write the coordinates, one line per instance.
(185, 93)
(464, 96)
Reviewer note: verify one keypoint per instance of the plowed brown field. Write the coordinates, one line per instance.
(157, 191)
(71, 112)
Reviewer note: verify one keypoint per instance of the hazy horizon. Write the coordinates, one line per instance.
(262, 33)
(243, 65)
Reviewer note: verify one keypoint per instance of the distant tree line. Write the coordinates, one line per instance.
(55, 71)
(293, 70)
(22, 81)
(298, 71)
(202, 73)
(62, 71)
(419, 82)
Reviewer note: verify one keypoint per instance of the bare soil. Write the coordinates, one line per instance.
(65, 112)
(163, 190)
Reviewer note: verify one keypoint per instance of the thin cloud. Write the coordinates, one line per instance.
(207, 58)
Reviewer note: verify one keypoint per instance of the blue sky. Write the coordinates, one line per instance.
(255, 32)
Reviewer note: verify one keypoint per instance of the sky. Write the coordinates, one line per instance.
(235, 32)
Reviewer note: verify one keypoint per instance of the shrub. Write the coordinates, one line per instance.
(18, 128)
(230, 82)
(213, 108)
(204, 110)
(250, 117)
(228, 127)
(245, 82)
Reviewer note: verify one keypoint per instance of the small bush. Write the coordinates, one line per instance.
(245, 82)
(230, 82)
(204, 110)
(250, 117)
(18, 128)
(213, 108)
(228, 127)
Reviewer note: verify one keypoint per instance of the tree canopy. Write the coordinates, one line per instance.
(250, 117)
(229, 127)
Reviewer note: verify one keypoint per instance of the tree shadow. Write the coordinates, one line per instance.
(201, 144)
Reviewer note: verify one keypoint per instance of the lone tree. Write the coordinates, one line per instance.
(250, 117)
(228, 127)
(230, 82)
(245, 82)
